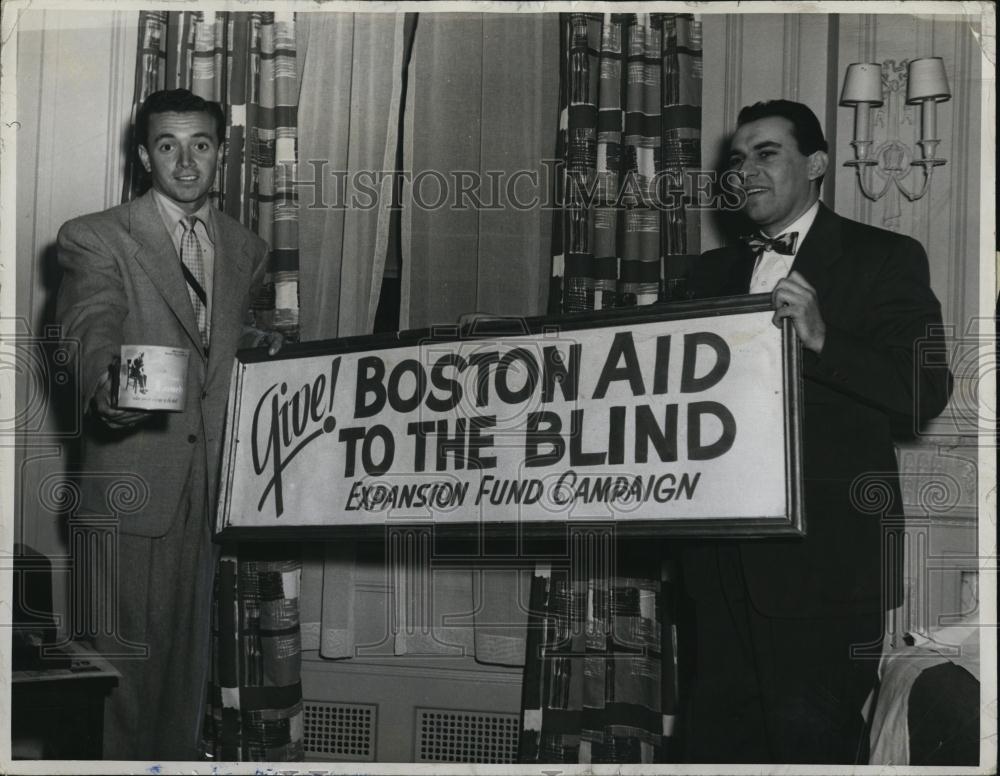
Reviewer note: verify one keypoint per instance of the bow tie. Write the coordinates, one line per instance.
(783, 243)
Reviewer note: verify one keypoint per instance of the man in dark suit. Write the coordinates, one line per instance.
(787, 632)
(166, 269)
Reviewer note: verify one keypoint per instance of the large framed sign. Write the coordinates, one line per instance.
(668, 419)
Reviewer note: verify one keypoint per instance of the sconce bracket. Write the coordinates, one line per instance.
(892, 161)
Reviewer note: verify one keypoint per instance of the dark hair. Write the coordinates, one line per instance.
(177, 101)
(805, 126)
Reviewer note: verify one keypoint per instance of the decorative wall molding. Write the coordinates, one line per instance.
(733, 91)
(962, 125)
(791, 65)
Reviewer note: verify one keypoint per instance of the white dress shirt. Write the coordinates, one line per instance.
(772, 267)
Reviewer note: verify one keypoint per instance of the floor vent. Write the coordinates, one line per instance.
(339, 731)
(447, 736)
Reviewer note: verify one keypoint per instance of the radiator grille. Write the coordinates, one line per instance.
(339, 731)
(446, 736)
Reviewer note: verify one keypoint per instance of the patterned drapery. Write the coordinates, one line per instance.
(601, 665)
(629, 132)
(246, 62)
(600, 682)
(254, 711)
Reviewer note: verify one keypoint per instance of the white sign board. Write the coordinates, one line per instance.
(682, 422)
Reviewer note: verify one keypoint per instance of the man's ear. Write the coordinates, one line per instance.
(817, 164)
(144, 157)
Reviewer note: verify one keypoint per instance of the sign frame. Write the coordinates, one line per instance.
(792, 524)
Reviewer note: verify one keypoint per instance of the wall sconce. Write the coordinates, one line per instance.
(926, 85)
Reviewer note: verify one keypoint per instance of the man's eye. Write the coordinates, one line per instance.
(202, 146)
(765, 154)
(166, 147)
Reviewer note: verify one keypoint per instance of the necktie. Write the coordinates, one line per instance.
(783, 243)
(193, 267)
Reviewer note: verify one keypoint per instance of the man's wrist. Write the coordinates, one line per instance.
(818, 343)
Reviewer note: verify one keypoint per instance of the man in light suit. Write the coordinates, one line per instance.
(787, 632)
(166, 269)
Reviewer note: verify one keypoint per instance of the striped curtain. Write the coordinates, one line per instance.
(254, 711)
(246, 62)
(601, 667)
(629, 132)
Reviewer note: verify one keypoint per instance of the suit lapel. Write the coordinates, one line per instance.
(721, 272)
(231, 279)
(743, 269)
(156, 255)
(820, 251)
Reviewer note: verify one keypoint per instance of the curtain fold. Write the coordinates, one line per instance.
(481, 112)
(600, 681)
(465, 109)
(480, 117)
(347, 134)
(351, 91)
(246, 62)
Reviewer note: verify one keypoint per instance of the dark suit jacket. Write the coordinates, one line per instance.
(875, 298)
(122, 284)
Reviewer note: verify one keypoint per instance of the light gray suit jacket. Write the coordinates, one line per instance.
(122, 284)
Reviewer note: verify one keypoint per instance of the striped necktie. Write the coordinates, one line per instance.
(193, 267)
(783, 243)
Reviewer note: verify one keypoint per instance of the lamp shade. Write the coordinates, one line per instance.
(862, 84)
(926, 80)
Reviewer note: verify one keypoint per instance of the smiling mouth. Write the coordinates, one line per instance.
(186, 178)
(754, 190)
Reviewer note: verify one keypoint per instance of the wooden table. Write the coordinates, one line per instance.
(58, 713)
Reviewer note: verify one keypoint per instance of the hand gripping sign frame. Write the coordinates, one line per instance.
(679, 419)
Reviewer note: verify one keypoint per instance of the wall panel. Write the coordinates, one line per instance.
(75, 73)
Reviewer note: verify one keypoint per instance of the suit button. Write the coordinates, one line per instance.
(192, 438)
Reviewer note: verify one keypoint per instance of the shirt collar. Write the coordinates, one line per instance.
(172, 213)
(802, 224)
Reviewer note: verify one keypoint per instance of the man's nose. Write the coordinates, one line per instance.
(745, 170)
(185, 158)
